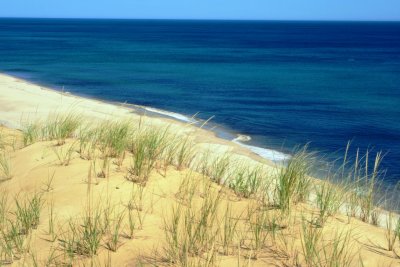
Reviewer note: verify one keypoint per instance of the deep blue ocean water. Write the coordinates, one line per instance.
(282, 83)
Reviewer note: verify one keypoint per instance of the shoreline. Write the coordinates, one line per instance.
(101, 109)
(235, 139)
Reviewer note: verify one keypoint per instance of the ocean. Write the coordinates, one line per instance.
(282, 84)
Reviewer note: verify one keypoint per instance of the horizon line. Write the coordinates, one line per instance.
(203, 19)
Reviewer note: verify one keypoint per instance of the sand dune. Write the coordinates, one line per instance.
(98, 211)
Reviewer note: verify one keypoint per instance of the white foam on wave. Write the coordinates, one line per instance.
(262, 152)
(242, 138)
(170, 114)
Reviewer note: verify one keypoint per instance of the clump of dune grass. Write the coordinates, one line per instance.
(229, 231)
(259, 229)
(320, 251)
(169, 153)
(292, 183)
(183, 243)
(31, 132)
(113, 241)
(5, 167)
(338, 251)
(310, 242)
(351, 202)
(328, 199)
(392, 230)
(113, 139)
(104, 167)
(4, 206)
(11, 243)
(16, 226)
(219, 168)
(108, 211)
(185, 153)
(246, 180)
(88, 141)
(192, 230)
(375, 216)
(141, 165)
(28, 212)
(363, 185)
(370, 185)
(146, 147)
(265, 194)
(64, 153)
(83, 236)
(136, 209)
(202, 162)
(187, 189)
(59, 127)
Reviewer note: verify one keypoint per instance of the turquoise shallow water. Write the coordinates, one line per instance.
(281, 83)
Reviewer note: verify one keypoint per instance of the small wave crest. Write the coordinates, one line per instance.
(177, 116)
(242, 138)
(262, 152)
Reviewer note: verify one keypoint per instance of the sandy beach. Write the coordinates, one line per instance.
(70, 187)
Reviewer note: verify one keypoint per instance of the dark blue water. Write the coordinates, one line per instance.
(282, 83)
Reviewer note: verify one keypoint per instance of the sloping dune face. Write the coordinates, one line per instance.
(157, 198)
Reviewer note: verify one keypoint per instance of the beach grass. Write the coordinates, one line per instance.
(59, 127)
(213, 207)
(113, 138)
(64, 153)
(329, 199)
(363, 186)
(185, 152)
(31, 132)
(258, 227)
(192, 230)
(219, 168)
(28, 212)
(320, 251)
(83, 236)
(5, 167)
(88, 139)
(18, 220)
(392, 230)
(246, 180)
(229, 231)
(4, 206)
(146, 147)
(115, 232)
(310, 241)
(292, 184)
